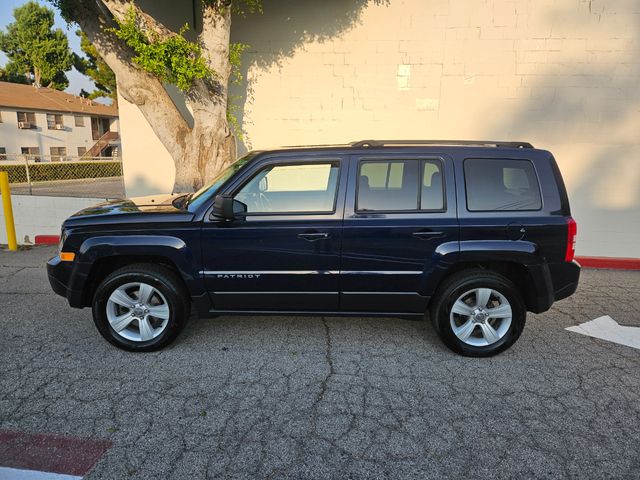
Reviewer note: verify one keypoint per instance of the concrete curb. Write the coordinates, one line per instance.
(610, 263)
(47, 239)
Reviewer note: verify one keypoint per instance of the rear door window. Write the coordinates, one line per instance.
(400, 185)
(501, 184)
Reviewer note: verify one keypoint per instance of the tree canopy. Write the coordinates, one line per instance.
(35, 50)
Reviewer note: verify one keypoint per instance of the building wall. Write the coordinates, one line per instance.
(563, 75)
(13, 138)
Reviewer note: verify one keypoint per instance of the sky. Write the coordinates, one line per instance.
(77, 81)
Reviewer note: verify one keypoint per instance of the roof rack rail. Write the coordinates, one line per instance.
(486, 143)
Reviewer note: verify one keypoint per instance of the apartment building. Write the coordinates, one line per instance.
(49, 125)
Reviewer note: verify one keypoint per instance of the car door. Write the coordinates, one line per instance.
(400, 222)
(284, 255)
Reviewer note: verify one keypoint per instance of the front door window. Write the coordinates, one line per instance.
(292, 188)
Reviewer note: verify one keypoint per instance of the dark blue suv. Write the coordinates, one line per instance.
(470, 234)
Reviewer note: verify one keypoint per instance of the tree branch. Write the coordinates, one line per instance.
(135, 85)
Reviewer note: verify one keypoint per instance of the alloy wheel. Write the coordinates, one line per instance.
(481, 317)
(138, 311)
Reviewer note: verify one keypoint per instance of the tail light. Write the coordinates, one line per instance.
(572, 233)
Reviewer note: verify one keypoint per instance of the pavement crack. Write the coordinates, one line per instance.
(328, 359)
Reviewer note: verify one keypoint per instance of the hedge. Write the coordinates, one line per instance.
(42, 172)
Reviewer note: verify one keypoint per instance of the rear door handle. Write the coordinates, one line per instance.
(426, 234)
(313, 236)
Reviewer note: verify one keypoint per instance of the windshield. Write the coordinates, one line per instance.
(208, 191)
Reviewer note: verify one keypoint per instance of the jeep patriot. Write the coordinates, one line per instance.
(472, 235)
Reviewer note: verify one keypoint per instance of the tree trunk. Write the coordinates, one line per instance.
(209, 150)
(200, 152)
(211, 145)
(36, 77)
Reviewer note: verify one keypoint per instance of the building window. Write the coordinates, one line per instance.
(82, 151)
(79, 121)
(26, 119)
(3, 153)
(58, 154)
(31, 153)
(54, 121)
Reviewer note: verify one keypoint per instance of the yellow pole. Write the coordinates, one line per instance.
(8, 211)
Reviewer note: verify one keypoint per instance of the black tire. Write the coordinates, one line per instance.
(465, 281)
(160, 278)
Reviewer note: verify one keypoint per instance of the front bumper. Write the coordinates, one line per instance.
(59, 274)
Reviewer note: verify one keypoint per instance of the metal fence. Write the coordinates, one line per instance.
(64, 176)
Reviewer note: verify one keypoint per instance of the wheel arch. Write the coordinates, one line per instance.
(99, 256)
(104, 266)
(517, 261)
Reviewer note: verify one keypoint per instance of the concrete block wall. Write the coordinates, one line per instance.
(39, 215)
(562, 74)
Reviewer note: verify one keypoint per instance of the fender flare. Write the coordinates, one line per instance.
(172, 248)
(516, 252)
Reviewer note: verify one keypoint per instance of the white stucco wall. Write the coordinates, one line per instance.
(147, 166)
(563, 75)
(39, 215)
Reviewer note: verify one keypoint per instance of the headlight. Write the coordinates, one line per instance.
(65, 256)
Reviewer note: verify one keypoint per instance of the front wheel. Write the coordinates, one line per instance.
(478, 313)
(140, 307)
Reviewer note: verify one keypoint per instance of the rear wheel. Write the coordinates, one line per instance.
(478, 313)
(140, 307)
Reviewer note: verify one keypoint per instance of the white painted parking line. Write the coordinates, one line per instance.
(7, 473)
(606, 328)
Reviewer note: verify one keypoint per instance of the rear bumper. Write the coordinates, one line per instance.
(59, 274)
(565, 276)
(551, 282)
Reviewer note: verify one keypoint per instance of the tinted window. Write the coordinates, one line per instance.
(309, 187)
(432, 195)
(398, 185)
(495, 184)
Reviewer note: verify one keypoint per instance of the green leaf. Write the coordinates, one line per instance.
(173, 60)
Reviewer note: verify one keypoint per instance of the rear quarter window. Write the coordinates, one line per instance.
(501, 185)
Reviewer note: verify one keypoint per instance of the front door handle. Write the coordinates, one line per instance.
(426, 234)
(313, 236)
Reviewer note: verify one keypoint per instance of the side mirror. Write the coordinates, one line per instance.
(226, 208)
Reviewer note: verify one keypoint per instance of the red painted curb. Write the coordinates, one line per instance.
(50, 453)
(610, 262)
(47, 239)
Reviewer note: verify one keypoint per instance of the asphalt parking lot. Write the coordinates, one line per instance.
(326, 398)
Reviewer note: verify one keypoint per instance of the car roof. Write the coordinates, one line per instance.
(389, 146)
